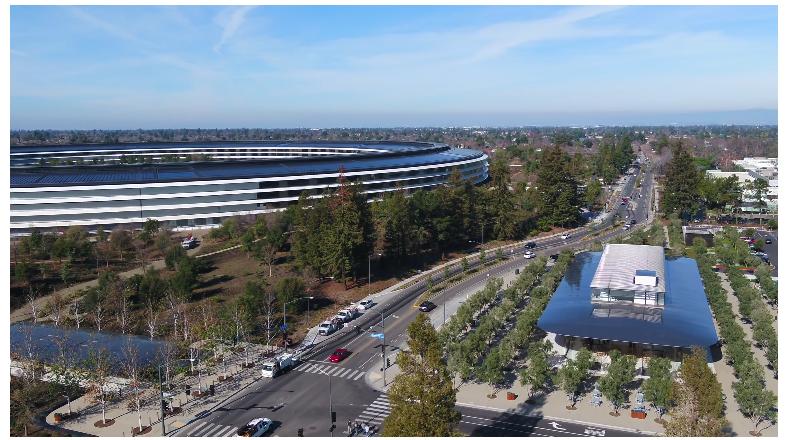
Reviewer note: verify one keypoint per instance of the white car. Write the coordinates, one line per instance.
(626, 226)
(565, 236)
(528, 255)
(345, 315)
(255, 428)
(327, 328)
(365, 304)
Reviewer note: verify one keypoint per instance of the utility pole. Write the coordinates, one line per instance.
(384, 354)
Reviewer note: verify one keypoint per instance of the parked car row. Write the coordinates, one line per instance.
(344, 316)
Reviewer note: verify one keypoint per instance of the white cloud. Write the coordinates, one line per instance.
(231, 24)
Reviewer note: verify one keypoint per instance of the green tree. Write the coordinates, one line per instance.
(702, 383)
(558, 190)
(501, 200)
(537, 374)
(288, 289)
(687, 420)
(592, 193)
(681, 184)
(658, 388)
(756, 402)
(571, 376)
(620, 372)
(422, 398)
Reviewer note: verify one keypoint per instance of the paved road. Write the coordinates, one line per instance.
(301, 398)
(770, 249)
(487, 423)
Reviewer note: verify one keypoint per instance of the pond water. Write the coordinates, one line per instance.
(46, 342)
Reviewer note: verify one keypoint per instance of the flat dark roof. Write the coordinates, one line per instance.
(684, 321)
(400, 155)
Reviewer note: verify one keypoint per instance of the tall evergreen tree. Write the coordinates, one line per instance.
(501, 199)
(681, 184)
(558, 190)
(422, 398)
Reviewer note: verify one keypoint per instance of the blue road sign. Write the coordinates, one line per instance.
(377, 335)
(283, 327)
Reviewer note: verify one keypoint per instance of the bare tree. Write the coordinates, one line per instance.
(122, 310)
(56, 306)
(99, 367)
(99, 312)
(131, 364)
(31, 297)
(152, 318)
(186, 324)
(76, 310)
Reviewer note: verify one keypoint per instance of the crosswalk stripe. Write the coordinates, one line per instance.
(191, 428)
(344, 373)
(379, 407)
(338, 371)
(330, 370)
(311, 368)
(222, 433)
(301, 367)
(376, 411)
(213, 429)
(359, 375)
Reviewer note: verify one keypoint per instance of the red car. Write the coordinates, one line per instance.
(339, 355)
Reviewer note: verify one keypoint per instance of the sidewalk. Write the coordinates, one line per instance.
(125, 419)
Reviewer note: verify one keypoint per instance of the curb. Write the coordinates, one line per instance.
(559, 419)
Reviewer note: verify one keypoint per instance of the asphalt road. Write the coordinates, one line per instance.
(770, 249)
(478, 422)
(302, 398)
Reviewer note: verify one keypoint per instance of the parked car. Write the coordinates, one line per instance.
(530, 245)
(626, 226)
(365, 304)
(554, 257)
(633, 221)
(528, 255)
(768, 240)
(345, 315)
(189, 242)
(327, 328)
(565, 236)
(255, 428)
(339, 355)
(427, 306)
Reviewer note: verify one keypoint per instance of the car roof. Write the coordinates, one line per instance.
(326, 323)
(257, 421)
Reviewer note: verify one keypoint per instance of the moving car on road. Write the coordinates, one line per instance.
(427, 306)
(528, 254)
(565, 236)
(255, 428)
(339, 355)
(530, 245)
(768, 240)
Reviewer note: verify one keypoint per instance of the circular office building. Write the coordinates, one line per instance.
(199, 184)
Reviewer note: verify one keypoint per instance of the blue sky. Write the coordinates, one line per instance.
(156, 67)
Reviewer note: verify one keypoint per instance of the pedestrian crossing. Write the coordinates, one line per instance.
(330, 370)
(205, 429)
(376, 412)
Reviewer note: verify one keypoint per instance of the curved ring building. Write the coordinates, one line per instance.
(197, 185)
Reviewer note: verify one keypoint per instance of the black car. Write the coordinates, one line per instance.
(427, 306)
(554, 257)
(633, 221)
(768, 240)
(530, 245)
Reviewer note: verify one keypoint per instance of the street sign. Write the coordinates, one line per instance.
(377, 335)
(283, 327)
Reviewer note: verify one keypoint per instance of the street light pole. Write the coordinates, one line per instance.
(384, 354)
(369, 269)
(163, 408)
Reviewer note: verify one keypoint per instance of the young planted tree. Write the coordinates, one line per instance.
(573, 374)
(620, 372)
(132, 371)
(756, 402)
(422, 397)
(658, 388)
(99, 367)
(697, 377)
(537, 374)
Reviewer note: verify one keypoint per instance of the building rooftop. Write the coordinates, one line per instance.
(685, 321)
(620, 262)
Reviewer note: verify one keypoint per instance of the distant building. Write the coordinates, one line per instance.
(630, 298)
(690, 233)
(754, 168)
